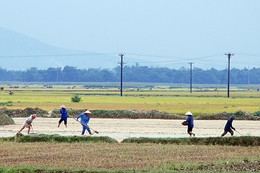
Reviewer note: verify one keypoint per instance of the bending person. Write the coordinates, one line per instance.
(229, 127)
(28, 123)
(84, 119)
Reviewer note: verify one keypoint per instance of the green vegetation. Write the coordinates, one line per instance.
(76, 98)
(57, 138)
(28, 169)
(257, 113)
(233, 141)
(131, 74)
(131, 114)
(160, 98)
(8, 103)
(240, 115)
(24, 113)
(5, 119)
(242, 166)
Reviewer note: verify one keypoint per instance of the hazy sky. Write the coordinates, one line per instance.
(171, 31)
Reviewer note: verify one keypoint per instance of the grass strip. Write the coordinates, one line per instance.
(28, 169)
(58, 139)
(224, 166)
(233, 141)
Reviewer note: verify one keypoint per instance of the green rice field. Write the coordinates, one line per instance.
(177, 100)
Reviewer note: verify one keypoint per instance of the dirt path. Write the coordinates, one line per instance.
(120, 129)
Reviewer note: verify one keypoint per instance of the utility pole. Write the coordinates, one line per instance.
(229, 56)
(190, 77)
(121, 63)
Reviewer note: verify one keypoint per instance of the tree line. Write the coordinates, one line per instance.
(133, 73)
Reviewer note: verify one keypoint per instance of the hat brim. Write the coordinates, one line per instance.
(87, 112)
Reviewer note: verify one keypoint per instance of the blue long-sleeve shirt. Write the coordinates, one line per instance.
(229, 124)
(84, 118)
(64, 114)
(190, 121)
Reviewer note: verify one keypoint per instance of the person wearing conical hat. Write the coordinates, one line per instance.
(84, 119)
(229, 127)
(190, 122)
(64, 115)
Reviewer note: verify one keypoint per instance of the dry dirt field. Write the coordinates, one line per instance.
(120, 129)
(121, 156)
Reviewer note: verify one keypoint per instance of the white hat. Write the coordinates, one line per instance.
(188, 113)
(63, 106)
(87, 112)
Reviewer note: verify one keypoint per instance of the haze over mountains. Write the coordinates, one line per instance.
(18, 51)
(21, 52)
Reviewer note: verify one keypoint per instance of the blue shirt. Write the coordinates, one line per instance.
(64, 114)
(190, 121)
(229, 124)
(84, 118)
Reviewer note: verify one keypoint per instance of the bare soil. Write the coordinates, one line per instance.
(120, 129)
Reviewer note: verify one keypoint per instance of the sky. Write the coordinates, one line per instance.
(148, 32)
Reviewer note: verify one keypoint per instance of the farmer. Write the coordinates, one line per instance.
(28, 123)
(228, 126)
(190, 122)
(85, 117)
(64, 115)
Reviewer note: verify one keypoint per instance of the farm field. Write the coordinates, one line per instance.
(120, 129)
(176, 101)
(125, 157)
(131, 157)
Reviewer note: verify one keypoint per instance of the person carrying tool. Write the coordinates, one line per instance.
(190, 122)
(28, 123)
(85, 117)
(228, 126)
(64, 115)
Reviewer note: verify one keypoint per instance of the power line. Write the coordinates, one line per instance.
(53, 55)
(179, 58)
(248, 54)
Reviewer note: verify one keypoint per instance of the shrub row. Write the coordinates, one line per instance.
(31, 169)
(58, 138)
(131, 114)
(240, 115)
(233, 141)
(24, 113)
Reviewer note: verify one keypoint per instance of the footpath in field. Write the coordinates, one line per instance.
(120, 129)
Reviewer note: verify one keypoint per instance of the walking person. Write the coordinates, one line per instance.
(228, 126)
(64, 115)
(84, 119)
(190, 122)
(28, 123)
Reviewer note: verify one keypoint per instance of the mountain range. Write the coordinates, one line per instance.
(20, 52)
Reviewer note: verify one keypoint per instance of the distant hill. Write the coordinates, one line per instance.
(20, 52)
